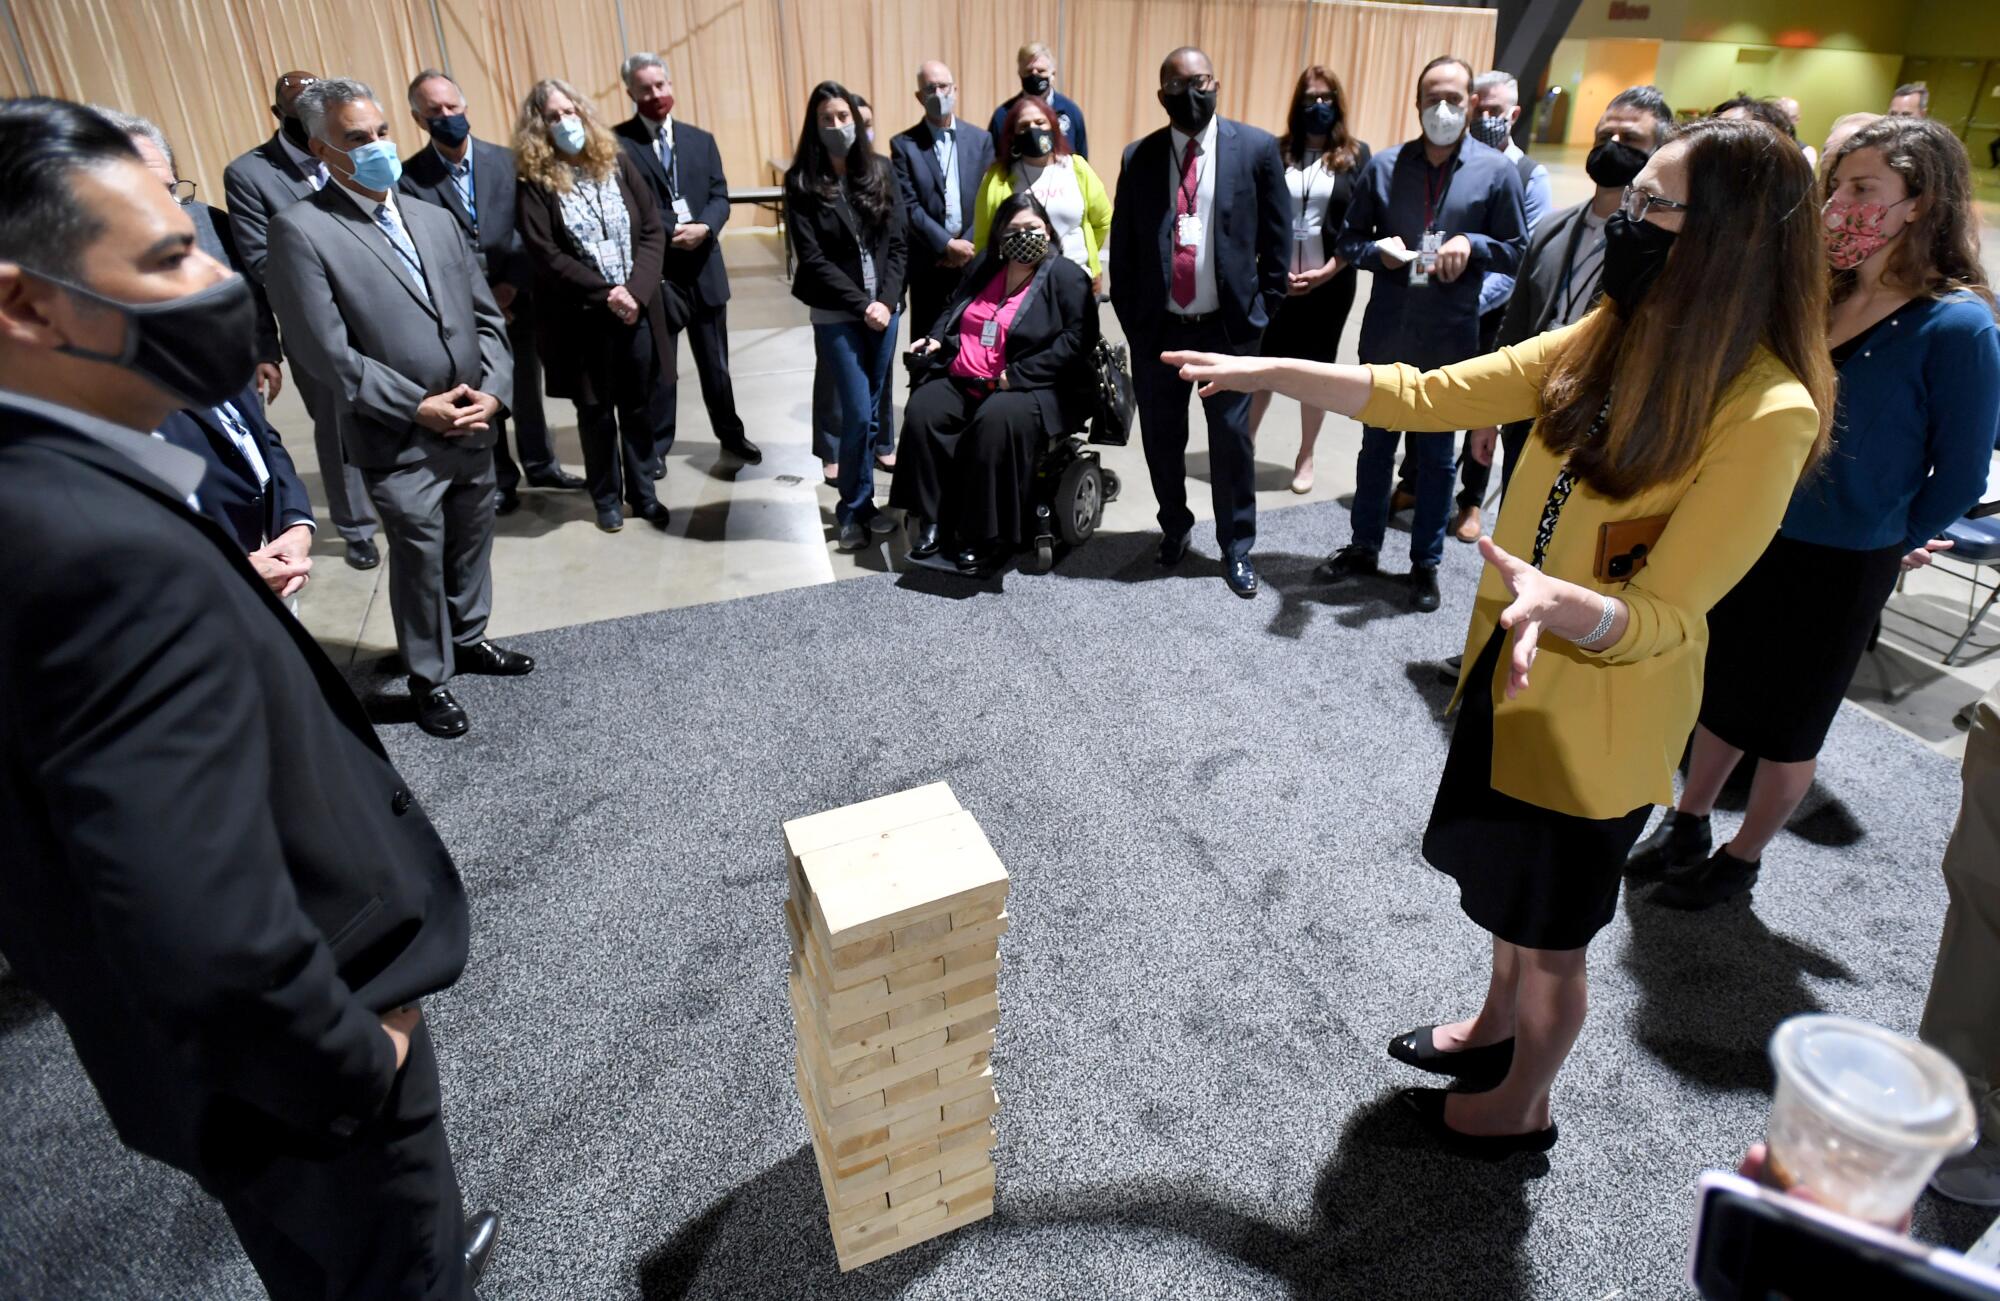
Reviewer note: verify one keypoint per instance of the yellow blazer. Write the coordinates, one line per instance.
(1599, 733)
(997, 186)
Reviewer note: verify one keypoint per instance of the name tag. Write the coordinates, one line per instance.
(683, 213)
(1301, 232)
(608, 253)
(1187, 229)
(989, 334)
(1427, 256)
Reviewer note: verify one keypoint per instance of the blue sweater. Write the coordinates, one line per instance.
(1913, 433)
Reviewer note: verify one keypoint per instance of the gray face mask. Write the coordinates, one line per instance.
(837, 139)
(939, 104)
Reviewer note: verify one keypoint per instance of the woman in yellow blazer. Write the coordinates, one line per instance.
(1032, 154)
(1671, 426)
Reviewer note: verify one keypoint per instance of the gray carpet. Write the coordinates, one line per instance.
(1211, 810)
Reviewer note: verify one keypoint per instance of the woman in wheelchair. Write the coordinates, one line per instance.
(1007, 366)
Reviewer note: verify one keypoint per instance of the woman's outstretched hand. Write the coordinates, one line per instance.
(1535, 599)
(1217, 372)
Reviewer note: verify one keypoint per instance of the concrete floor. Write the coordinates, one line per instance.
(743, 530)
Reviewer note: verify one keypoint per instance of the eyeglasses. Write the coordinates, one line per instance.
(183, 191)
(1637, 203)
(940, 87)
(1318, 97)
(1179, 84)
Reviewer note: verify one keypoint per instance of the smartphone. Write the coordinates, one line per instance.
(1752, 1243)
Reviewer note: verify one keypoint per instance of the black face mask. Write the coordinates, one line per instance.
(1189, 109)
(1034, 142)
(295, 131)
(1635, 252)
(202, 348)
(1614, 163)
(1039, 87)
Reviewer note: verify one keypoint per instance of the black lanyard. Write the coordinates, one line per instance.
(1434, 196)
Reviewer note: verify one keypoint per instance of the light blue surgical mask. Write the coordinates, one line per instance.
(375, 164)
(569, 135)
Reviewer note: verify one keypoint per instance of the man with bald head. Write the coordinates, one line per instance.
(259, 185)
(938, 164)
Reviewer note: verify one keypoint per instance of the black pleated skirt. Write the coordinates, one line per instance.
(1530, 875)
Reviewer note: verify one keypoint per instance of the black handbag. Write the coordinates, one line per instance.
(1111, 418)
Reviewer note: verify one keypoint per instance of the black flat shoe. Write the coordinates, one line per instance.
(437, 712)
(1242, 579)
(654, 513)
(362, 554)
(1718, 880)
(1428, 1107)
(506, 503)
(485, 658)
(1424, 589)
(745, 451)
(657, 471)
(1346, 563)
(1418, 1048)
(610, 520)
(558, 478)
(925, 544)
(1681, 840)
(481, 1232)
(1173, 549)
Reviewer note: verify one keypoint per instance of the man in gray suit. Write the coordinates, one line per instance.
(259, 185)
(383, 304)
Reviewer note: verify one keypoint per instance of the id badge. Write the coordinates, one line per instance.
(989, 333)
(607, 251)
(682, 213)
(1427, 258)
(1188, 229)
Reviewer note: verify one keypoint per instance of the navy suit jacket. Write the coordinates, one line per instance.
(496, 240)
(1253, 233)
(921, 182)
(698, 164)
(229, 493)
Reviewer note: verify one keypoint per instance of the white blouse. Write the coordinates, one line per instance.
(1062, 194)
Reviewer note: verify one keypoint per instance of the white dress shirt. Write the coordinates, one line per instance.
(315, 170)
(368, 205)
(1205, 297)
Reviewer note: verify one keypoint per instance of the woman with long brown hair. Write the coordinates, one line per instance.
(1321, 163)
(1913, 334)
(1670, 427)
(593, 233)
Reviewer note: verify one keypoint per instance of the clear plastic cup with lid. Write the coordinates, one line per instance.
(1862, 1117)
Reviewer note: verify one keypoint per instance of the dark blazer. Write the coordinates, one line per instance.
(1534, 303)
(698, 164)
(1049, 344)
(258, 186)
(229, 493)
(1253, 233)
(574, 330)
(827, 239)
(211, 869)
(212, 233)
(920, 181)
(496, 240)
(358, 325)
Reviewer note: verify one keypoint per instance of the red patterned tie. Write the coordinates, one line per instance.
(1184, 205)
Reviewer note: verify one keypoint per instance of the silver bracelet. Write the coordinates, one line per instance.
(1589, 642)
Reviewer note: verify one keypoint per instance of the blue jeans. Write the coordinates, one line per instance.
(1431, 455)
(855, 361)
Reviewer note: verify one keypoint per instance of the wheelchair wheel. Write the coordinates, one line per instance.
(1079, 501)
(1045, 556)
(1111, 484)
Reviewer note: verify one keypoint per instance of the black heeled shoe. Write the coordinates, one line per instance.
(1428, 1107)
(1487, 1065)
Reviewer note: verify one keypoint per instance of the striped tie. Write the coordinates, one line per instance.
(399, 239)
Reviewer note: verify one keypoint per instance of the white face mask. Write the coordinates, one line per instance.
(1443, 124)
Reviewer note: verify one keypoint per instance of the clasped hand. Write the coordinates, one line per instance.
(458, 412)
(1452, 259)
(622, 304)
(284, 561)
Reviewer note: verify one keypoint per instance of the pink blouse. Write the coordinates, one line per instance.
(976, 360)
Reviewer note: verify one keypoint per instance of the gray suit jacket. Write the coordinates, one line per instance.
(357, 324)
(1536, 283)
(259, 185)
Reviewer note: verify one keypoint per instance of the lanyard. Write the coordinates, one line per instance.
(1434, 195)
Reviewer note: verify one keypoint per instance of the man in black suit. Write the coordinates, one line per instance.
(261, 184)
(939, 164)
(237, 963)
(1200, 264)
(249, 486)
(682, 165)
(474, 182)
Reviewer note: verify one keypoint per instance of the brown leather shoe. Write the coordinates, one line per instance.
(1465, 525)
(1400, 501)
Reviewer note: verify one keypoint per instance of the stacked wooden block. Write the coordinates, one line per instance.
(896, 911)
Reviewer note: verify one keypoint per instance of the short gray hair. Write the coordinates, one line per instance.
(327, 94)
(1494, 80)
(134, 125)
(635, 63)
(429, 74)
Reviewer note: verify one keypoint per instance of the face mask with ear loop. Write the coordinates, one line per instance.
(200, 347)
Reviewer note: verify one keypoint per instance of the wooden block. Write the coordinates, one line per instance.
(959, 1152)
(833, 977)
(854, 1005)
(959, 1070)
(974, 916)
(973, 1027)
(915, 1127)
(917, 1066)
(856, 1258)
(918, 933)
(869, 817)
(845, 1112)
(918, 1085)
(909, 1012)
(913, 1222)
(973, 990)
(885, 1030)
(923, 1047)
(971, 1108)
(863, 888)
(916, 1158)
(869, 1214)
(916, 1188)
(912, 1135)
(969, 957)
(979, 1133)
(862, 951)
(893, 1118)
(922, 973)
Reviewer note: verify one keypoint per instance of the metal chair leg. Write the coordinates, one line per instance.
(1971, 624)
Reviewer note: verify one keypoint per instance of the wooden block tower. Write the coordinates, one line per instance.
(896, 910)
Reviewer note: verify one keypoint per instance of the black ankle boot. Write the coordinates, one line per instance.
(1681, 840)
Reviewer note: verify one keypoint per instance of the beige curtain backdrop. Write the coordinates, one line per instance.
(203, 69)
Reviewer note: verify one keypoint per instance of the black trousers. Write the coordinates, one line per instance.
(707, 333)
(967, 461)
(381, 1220)
(618, 436)
(1163, 428)
(529, 422)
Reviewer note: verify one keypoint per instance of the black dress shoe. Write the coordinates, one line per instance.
(744, 450)
(1718, 879)
(610, 520)
(853, 536)
(555, 478)
(1681, 840)
(1449, 671)
(1424, 589)
(653, 512)
(657, 470)
(926, 543)
(361, 554)
(1486, 1065)
(1346, 563)
(437, 712)
(492, 661)
(506, 503)
(1428, 1107)
(1173, 549)
(1242, 579)
(481, 1232)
